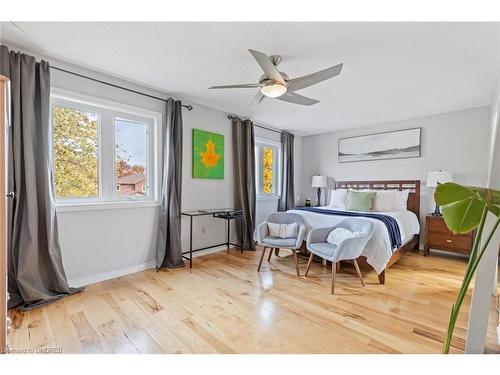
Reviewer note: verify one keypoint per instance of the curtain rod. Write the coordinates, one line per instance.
(189, 107)
(231, 117)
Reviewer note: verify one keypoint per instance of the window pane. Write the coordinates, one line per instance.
(267, 170)
(76, 169)
(131, 158)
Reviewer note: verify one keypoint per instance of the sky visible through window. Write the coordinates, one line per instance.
(130, 137)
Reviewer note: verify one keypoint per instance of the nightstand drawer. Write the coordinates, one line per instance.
(450, 242)
(439, 226)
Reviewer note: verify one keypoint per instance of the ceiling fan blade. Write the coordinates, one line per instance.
(313, 78)
(267, 66)
(242, 86)
(293, 97)
(257, 99)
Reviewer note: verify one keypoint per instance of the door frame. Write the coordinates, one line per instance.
(3, 212)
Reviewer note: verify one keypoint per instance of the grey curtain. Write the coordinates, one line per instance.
(244, 176)
(36, 273)
(287, 196)
(168, 245)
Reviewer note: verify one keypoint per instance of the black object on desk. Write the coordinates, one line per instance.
(227, 214)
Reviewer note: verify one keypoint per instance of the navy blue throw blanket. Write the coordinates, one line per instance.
(390, 223)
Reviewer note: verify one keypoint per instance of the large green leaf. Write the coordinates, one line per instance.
(461, 206)
(494, 210)
(452, 192)
(464, 215)
(489, 196)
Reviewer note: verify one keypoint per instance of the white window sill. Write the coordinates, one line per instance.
(267, 197)
(92, 206)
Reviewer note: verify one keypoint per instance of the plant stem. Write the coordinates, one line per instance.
(477, 239)
(469, 274)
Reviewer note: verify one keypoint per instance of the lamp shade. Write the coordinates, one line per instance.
(438, 176)
(319, 182)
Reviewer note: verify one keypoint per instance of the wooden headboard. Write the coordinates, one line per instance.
(413, 186)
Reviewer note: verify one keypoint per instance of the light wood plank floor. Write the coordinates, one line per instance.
(225, 306)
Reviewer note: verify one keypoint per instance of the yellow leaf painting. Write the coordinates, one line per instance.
(209, 158)
(208, 155)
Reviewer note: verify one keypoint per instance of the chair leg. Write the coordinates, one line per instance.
(309, 264)
(358, 272)
(261, 258)
(270, 254)
(334, 273)
(296, 262)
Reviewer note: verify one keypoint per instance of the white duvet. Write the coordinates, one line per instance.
(378, 250)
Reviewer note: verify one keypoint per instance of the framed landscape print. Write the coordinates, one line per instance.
(208, 155)
(389, 145)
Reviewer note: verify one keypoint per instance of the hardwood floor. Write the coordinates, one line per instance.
(225, 306)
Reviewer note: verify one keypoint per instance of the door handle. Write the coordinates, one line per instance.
(11, 195)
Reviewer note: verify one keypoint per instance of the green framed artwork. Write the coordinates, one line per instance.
(208, 155)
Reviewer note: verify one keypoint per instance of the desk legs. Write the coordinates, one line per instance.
(228, 233)
(241, 235)
(190, 242)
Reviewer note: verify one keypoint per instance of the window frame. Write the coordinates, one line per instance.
(260, 143)
(107, 112)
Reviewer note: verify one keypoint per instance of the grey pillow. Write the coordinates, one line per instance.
(360, 200)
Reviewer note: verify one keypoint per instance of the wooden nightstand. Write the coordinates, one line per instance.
(437, 236)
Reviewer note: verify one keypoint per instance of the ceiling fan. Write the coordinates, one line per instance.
(277, 85)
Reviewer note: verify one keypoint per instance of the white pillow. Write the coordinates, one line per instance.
(336, 236)
(283, 230)
(385, 201)
(401, 200)
(338, 198)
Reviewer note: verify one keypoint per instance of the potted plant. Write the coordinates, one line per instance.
(465, 208)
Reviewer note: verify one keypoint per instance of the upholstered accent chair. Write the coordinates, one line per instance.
(276, 243)
(348, 249)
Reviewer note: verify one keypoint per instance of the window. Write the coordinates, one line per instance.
(131, 157)
(267, 161)
(103, 151)
(76, 168)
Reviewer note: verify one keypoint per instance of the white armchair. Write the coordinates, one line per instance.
(348, 249)
(275, 243)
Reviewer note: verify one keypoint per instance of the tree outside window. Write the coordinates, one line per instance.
(267, 170)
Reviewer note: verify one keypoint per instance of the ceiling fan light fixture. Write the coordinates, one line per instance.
(273, 90)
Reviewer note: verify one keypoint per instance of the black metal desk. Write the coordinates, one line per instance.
(227, 214)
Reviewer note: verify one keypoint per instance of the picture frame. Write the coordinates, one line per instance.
(396, 144)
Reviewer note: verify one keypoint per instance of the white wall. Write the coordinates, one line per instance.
(457, 142)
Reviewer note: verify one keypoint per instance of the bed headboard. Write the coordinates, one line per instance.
(412, 185)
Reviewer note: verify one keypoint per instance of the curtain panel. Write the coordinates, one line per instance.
(287, 196)
(35, 268)
(168, 245)
(244, 176)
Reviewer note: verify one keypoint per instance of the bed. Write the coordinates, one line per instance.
(379, 253)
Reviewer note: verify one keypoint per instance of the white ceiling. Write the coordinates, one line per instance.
(392, 71)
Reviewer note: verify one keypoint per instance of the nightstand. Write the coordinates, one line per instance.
(437, 236)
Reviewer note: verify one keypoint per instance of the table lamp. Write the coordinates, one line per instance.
(319, 182)
(432, 181)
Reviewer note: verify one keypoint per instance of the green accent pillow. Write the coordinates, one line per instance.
(360, 200)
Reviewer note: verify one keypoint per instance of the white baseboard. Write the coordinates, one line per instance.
(112, 274)
(95, 278)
